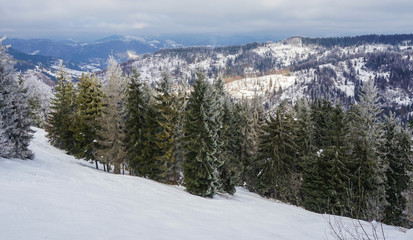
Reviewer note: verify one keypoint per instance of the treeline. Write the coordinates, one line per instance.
(313, 154)
(359, 40)
(15, 111)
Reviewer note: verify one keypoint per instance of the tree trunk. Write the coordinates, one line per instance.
(117, 168)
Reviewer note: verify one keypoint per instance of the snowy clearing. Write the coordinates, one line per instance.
(56, 196)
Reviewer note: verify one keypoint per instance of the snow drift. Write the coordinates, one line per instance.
(56, 196)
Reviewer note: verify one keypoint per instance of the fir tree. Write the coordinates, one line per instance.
(60, 120)
(398, 153)
(135, 111)
(200, 136)
(250, 122)
(111, 135)
(152, 165)
(14, 111)
(176, 167)
(165, 139)
(231, 166)
(336, 155)
(226, 152)
(325, 174)
(276, 157)
(367, 158)
(89, 103)
(6, 145)
(303, 124)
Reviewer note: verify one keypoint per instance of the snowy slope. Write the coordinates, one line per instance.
(56, 196)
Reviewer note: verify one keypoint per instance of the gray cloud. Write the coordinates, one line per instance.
(68, 18)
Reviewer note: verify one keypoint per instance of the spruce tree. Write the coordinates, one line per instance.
(23, 133)
(165, 139)
(276, 156)
(230, 168)
(6, 145)
(60, 120)
(111, 135)
(135, 111)
(336, 155)
(89, 101)
(303, 124)
(398, 153)
(152, 165)
(14, 111)
(200, 136)
(315, 186)
(367, 166)
(250, 119)
(176, 167)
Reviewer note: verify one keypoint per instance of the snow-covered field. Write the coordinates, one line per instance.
(56, 196)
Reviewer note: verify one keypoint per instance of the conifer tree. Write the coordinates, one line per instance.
(336, 154)
(5, 143)
(14, 111)
(152, 165)
(165, 139)
(23, 133)
(276, 157)
(35, 112)
(367, 165)
(305, 151)
(226, 152)
(60, 120)
(89, 101)
(398, 154)
(250, 122)
(135, 111)
(200, 136)
(325, 174)
(231, 167)
(111, 135)
(176, 167)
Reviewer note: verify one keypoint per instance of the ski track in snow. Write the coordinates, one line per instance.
(56, 196)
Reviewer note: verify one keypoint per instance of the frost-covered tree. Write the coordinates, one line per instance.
(6, 145)
(367, 166)
(201, 133)
(14, 111)
(39, 94)
(231, 167)
(111, 135)
(250, 119)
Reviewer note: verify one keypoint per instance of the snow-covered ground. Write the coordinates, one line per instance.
(56, 196)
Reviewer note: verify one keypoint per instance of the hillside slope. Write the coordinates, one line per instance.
(58, 197)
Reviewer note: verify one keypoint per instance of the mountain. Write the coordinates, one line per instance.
(297, 67)
(55, 196)
(289, 69)
(94, 53)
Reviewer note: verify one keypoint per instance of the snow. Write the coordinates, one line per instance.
(251, 86)
(56, 196)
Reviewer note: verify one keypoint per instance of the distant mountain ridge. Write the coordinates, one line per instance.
(288, 69)
(298, 67)
(95, 52)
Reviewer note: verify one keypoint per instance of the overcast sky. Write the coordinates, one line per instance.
(86, 19)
